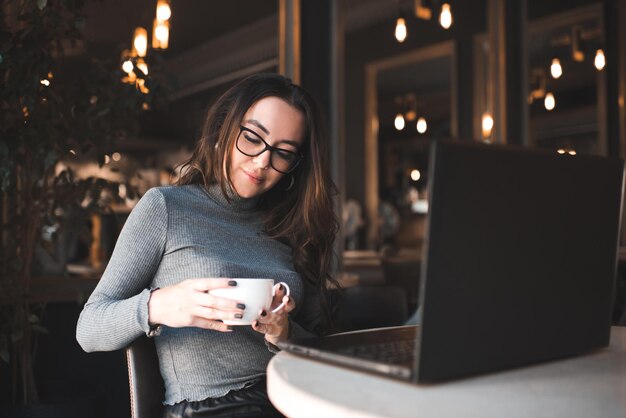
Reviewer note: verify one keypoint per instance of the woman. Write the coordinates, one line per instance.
(254, 200)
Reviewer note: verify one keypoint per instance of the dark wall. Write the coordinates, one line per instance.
(377, 42)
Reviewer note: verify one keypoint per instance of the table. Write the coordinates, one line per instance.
(592, 385)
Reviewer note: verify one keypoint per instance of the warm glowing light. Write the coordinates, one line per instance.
(571, 152)
(107, 159)
(127, 66)
(561, 151)
(45, 82)
(549, 102)
(141, 64)
(72, 152)
(555, 69)
(445, 17)
(160, 34)
(116, 156)
(415, 175)
(421, 125)
(399, 122)
(140, 42)
(400, 29)
(410, 115)
(600, 60)
(487, 124)
(141, 86)
(163, 12)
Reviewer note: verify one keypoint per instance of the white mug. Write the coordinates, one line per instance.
(256, 294)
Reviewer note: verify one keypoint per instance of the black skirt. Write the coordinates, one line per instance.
(248, 402)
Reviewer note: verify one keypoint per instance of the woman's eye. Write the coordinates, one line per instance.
(252, 139)
(285, 155)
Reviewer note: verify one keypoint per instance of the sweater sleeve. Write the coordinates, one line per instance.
(117, 310)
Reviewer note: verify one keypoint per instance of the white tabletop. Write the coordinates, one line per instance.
(593, 385)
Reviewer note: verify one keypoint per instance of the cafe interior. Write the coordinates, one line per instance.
(390, 77)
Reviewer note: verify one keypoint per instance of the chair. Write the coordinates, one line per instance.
(362, 307)
(144, 379)
(404, 272)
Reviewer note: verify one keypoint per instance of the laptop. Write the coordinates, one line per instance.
(519, 267)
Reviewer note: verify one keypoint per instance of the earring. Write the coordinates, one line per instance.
(290, 184)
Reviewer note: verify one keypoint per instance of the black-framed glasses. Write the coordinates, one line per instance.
(251, 144)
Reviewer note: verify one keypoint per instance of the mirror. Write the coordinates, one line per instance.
(410, 99)
(566, 86)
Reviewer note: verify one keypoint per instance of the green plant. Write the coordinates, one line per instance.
(57, 102)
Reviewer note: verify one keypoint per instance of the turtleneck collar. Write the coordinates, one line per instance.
(236, 203)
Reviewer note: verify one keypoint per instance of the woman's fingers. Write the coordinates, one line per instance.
(211, 325)
(205, 284)
(212, 313)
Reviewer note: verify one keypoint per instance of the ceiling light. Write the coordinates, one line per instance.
(445, 17)
(555, 68)
(399, 122)
(421, 126)
(600, 60)
(400, 29)
(163, 12)
(487, 123)
(549, 102)
(140, 42)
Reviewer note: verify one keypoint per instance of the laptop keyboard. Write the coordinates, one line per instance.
(394, 352)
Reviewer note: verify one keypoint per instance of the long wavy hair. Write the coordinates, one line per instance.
(302, 215)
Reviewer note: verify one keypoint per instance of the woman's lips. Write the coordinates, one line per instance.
(253, 178)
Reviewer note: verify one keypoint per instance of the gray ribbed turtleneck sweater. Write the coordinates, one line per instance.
(176, 233)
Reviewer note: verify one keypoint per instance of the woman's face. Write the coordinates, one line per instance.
(278, 124)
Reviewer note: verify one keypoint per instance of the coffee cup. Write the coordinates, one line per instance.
(256, 293)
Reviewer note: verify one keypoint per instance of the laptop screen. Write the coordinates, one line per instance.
(520, 257)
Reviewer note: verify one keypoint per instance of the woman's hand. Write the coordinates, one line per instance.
(275, 326)
(188, 304)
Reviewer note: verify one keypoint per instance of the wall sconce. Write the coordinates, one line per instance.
(537, 79)
(423, 9)
(577, 40)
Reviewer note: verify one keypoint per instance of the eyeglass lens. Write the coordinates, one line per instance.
(251, 144)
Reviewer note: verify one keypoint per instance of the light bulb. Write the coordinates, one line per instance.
(141, 64)
(163, 11)
(445, 17)
(160, 34)
(400, 29)
(127, 66)
(555, 68)
(415, 175)
(487, 123)
(140, 42)
(421, 125)
(600, 60)
(549, 102)
(399, 122)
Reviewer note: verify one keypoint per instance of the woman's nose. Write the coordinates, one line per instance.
(263, 159)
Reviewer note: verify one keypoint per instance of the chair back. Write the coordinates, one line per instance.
(144, 379)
